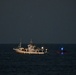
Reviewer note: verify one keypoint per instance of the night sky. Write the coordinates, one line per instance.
(43, 21)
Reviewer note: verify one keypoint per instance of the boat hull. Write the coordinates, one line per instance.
(24, 52)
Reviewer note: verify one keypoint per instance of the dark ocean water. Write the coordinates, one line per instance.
(52, 63)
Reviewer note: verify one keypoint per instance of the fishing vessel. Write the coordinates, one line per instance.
(31, 49)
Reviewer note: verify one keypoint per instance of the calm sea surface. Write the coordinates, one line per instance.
(12, 63)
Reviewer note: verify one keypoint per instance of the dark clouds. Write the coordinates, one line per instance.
(44, 21)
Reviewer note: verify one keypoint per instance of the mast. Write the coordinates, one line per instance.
(31, 42)
(19, 44)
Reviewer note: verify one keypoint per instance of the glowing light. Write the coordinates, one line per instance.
(62, 48)
(42, 47)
